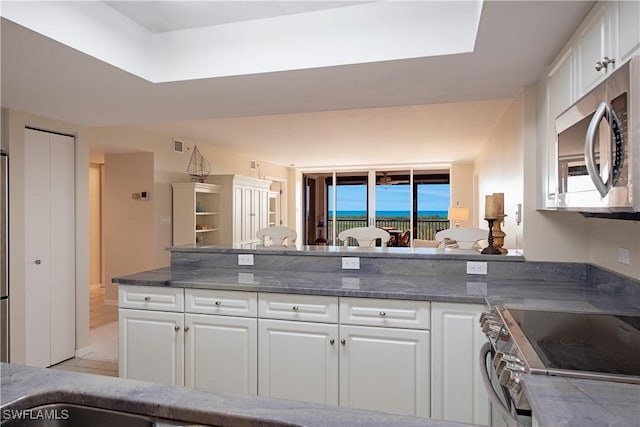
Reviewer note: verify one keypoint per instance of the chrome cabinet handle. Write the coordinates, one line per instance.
(604, 64)
(332, 341)
(147, 298)
(38, 262)
(606, 61)
(343, 342)
(218, 303)
(382, 314)
(186, 328)
(176, 328)
(296, 308)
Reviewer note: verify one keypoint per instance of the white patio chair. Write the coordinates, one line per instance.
(276, 236)
(366, 236)
(465, 237)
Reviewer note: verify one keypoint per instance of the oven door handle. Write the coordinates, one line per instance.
(509, 418)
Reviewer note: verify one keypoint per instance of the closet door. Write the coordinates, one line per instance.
(49, 247)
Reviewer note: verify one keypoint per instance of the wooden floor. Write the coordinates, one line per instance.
(99, 315)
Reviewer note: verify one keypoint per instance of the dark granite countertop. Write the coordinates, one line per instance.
(27, 387)
(557, 294)
(336, 251)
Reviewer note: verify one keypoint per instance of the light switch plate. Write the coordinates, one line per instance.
(624, 256)
(245, 259)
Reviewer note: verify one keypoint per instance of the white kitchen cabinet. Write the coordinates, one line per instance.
(298, 347)
(246, 208)
(560, 93)
(196, 213)
(627, 20)
(457, 390)
(221, 353)
(151, 346)
(298, 360)
(49, 198)
(385, 355)
(213, 346)
(593, 44)
(385, 369)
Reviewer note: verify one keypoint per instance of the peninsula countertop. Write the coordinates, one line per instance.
(27, 387)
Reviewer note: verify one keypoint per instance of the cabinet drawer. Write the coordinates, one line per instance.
(151, 298)
(385, 312)
(310, 308)
(226, 303)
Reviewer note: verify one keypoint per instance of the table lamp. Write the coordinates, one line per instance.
(458, 214)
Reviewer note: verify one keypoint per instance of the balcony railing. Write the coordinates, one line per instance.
(426, 228)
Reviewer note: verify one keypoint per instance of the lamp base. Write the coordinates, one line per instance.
(491, 250)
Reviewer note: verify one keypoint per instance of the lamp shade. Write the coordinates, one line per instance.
(458, 214)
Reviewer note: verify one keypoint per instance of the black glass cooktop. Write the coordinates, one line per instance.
(586, 342)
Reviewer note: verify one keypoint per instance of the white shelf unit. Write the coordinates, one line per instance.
(196, 213)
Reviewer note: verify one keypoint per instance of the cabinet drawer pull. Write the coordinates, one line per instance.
(38, 262)
(332, 341)
(176, 328)
(296, 308)
(147, 298)
(186, 328)
(343, 342)
(382, 314)
(218, 303)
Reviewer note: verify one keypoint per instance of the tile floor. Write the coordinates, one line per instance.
(99, 315)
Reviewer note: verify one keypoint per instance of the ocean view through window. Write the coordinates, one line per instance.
(431, 201)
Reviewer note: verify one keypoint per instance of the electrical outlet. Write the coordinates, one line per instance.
(245, 259)
(350, 263)
(476, 267)
(624, 256)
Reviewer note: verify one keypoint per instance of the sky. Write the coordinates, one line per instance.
(431, 197)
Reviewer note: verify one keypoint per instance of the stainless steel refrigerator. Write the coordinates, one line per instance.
(4, 257)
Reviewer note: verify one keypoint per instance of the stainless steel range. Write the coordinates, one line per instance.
(571, 344)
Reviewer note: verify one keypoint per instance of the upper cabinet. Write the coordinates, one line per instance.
(608, 37)
(595, 48)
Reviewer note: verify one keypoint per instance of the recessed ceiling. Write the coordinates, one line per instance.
(303, 116)
(165, 16)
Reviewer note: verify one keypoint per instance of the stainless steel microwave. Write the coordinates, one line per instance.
(598, 143)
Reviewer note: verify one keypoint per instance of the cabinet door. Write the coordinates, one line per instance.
(560, 96)
(628, 19)
(298, 361)
(457, 390)
(151, 346)
(221, 353)
(593, 45)
(385, 369)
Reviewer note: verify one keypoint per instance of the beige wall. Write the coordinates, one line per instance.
(128, 227)
(461, 180)
(95, 224)
(14, 123)
(498, 169)
(169, 167)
